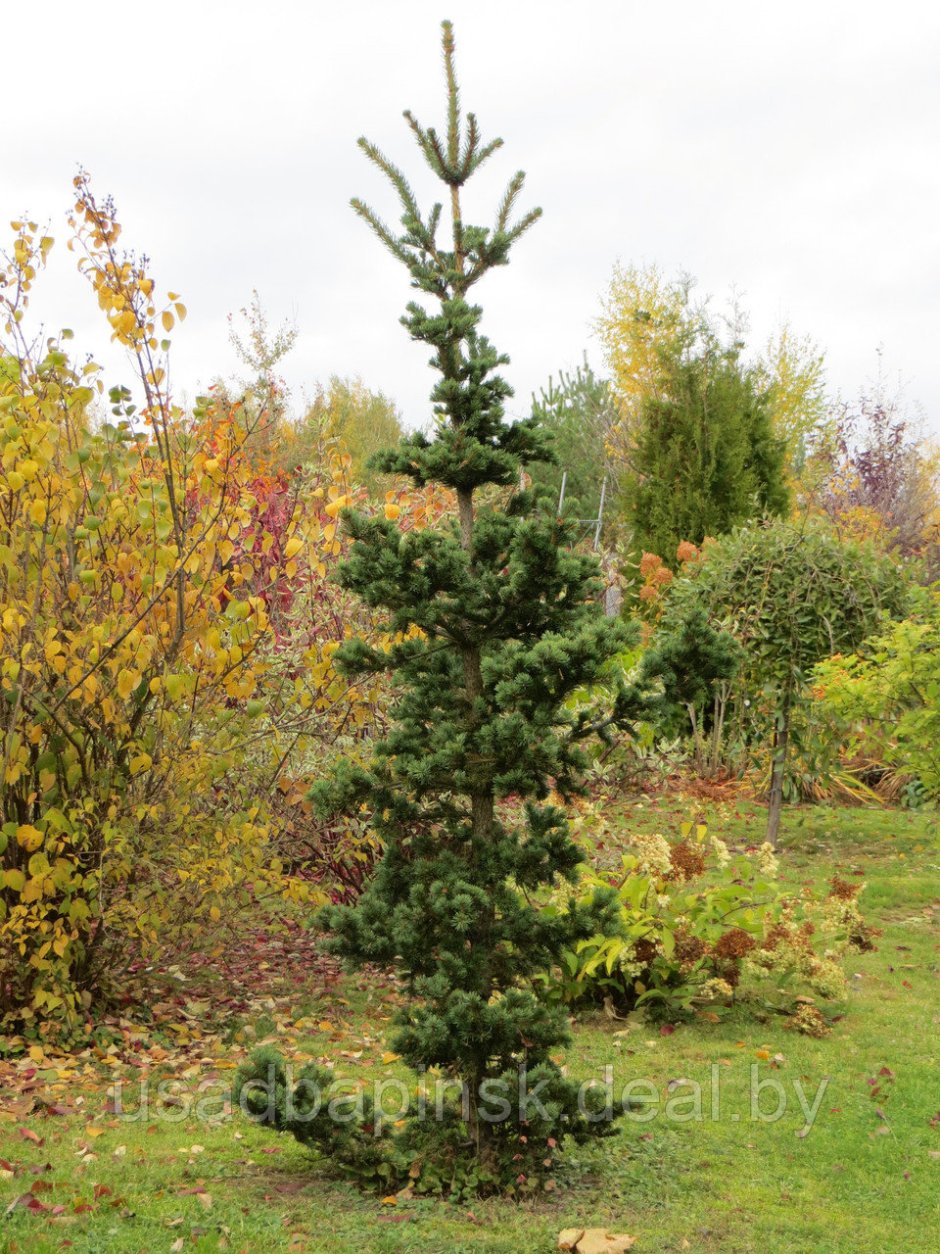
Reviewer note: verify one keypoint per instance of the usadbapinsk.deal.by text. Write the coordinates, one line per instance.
(762, 1098)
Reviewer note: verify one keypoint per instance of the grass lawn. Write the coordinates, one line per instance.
(864, 1177)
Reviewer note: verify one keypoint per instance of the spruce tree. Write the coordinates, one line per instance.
(496, 623)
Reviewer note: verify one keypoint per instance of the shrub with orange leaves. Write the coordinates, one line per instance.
(657, 577)
(687, 552)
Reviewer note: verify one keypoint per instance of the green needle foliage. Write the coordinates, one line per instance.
(499, 624)
(695, 662)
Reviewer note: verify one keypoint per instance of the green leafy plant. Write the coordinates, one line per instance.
(884, 700)
(701, 926)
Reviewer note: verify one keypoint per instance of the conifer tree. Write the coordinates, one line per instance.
(578, 410)
(497, 623)
(706, 455)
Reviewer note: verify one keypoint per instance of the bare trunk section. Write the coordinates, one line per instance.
(781, 742)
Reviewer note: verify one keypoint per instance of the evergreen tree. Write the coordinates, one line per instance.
(706, 457)
(496, 623)
(578, 410)
(695, 663)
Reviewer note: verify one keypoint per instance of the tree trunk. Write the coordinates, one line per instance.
(699, 753)
(481, 793)
(718, 727)
(781, 741)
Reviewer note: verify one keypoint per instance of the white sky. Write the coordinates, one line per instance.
(789, 151)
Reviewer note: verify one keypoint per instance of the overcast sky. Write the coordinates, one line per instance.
(787, 151)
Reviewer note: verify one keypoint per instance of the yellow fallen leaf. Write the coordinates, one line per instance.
(391, 1200)
(388, 1057)
(93, 1131)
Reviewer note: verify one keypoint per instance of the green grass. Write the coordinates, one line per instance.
(866, 1177)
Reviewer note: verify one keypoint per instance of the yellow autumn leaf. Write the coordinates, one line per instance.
(14, 878)
(126, 683)
(332, 510)
(28, 837)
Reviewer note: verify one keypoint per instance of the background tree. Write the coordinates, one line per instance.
(872, 473)
(644, 320)
(791, 596)
(694, 442)
(705, 456)
(261, 395)
(497, 625)
(791, 371)
(578, 411)
(362, 421)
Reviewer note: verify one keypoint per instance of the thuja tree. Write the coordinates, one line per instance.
(497, 624)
